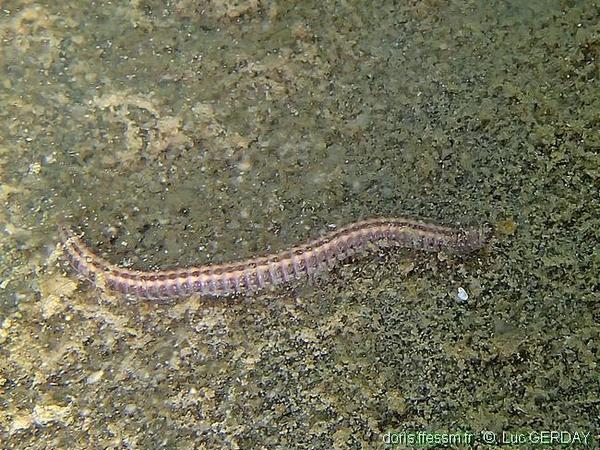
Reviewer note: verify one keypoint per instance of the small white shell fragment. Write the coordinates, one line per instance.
(95, 377)
(462, 295)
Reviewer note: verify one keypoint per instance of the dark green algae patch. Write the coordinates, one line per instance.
(177, 136)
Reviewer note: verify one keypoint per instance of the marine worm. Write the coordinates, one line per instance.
(256, 274)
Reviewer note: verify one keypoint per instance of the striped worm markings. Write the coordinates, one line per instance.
(258, 273)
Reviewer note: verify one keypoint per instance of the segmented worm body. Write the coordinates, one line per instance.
(258, 273)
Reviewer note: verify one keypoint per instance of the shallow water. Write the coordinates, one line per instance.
(172, 135)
